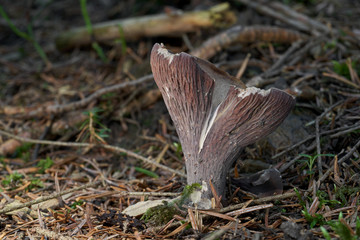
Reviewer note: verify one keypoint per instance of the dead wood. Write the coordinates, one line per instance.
(148, 26)
(245, 35)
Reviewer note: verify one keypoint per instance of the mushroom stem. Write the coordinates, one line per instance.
(203, 170)
(214, 116)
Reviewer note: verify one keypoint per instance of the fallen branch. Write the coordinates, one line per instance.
(7, 209)
(31, 112)
(173, 24)
(131, 194)
(239, 34)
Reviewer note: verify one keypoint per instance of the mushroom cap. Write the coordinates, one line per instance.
(209, 109)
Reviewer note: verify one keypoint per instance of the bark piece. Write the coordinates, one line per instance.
(214, 116)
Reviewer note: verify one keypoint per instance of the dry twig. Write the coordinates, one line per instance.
(31, 112)
(289, 16)
(7, 209)
(317, 131)
(340, 161)
(90, 145)
(259, 201)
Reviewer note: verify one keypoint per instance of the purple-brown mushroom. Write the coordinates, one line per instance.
(215, 117)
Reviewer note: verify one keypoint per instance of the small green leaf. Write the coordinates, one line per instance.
(76, 203)
(178, 152)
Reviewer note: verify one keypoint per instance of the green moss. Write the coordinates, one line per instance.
(161, 214)
(188, 190)
(324, 199)
(35, 183)
(345, 192)
(23, 151)
(343, 69)
(12, 180)
(44, 164)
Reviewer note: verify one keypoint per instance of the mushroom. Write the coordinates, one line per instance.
(214, 115)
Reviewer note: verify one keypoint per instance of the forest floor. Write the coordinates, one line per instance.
(85, 133)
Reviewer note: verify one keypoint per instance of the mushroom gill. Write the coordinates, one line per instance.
(214, 116)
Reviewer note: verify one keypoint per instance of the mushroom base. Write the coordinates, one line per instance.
(204, 172)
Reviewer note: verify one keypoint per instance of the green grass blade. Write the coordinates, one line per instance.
(325, 233)
(99, 52)
(12, 26)
(37, 46)
(86, 16)
(89, 28)
(122, 40)
(146, 172)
